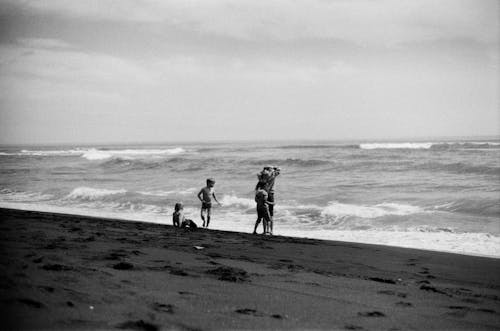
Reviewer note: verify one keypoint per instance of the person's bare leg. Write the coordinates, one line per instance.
(257, 222)
(208, 217)
(202, 217)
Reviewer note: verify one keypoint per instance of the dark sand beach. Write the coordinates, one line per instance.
(74, 272)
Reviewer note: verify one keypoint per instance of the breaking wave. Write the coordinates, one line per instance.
(396, 146)
(234, 201)
(98, 154)
(160, 193)
(95, 154)
(432, 145)
(290, 162)
(342, 210)
(20, 196)
(88, 193)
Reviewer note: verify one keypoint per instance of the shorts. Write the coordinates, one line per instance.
(206, 205)
(263, 212)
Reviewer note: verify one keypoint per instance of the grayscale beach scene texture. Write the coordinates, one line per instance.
(372, 129)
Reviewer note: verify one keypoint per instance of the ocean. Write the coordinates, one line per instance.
(436, 195)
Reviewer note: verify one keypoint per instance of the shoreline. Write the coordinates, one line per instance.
(63, 271)
(70, 212)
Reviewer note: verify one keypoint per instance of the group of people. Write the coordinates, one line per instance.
(264, 197)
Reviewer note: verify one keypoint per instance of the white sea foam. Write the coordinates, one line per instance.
(97, 154)
(16, 196)
(89, 193)
(160, 193)
(342, 210)
(234, 201)
(424, 145)
(26, 152)
(428, 239)
(396, 146)
(333, 209)
(461, 243)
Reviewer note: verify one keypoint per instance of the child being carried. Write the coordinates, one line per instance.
(261, 197)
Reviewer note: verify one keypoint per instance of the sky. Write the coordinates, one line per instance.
(123, 71)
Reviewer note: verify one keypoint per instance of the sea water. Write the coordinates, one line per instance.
(438, 195)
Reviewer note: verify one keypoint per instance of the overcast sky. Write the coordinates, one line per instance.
(136, 71)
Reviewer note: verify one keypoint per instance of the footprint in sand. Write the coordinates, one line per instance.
(248, 311)
(382, 280)
(56, 267)
(371, 314)
(163, 308)
(46, 288)
(229, 274)
(486, 310)
(286, 261)
(138, 325)
(458, 311)
(38, 260)
(389, 292)
(176, 271)
(432, 289)
(31, 303)
(123, 266)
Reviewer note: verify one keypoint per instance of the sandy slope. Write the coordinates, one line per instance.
(70, 272)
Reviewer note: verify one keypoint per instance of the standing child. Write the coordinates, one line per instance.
(261, 197)
(205, 195)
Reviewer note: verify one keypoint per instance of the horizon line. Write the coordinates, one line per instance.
(276, 140)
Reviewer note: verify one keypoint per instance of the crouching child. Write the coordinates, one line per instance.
(178, 217)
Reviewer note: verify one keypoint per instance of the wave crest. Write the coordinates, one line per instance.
(396, 146)
(234, 201)
(342, 210)
(291, 162)
(90, 194)
(97, 154)
(20, 196)
(433, 145)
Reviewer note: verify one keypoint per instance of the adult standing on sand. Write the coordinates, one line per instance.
(268, 176)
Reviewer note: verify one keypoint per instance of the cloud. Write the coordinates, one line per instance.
(319, 62)
(44, 43)
(56, 60)
(364, 21)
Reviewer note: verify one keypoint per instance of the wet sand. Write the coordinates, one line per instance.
(73, 272)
